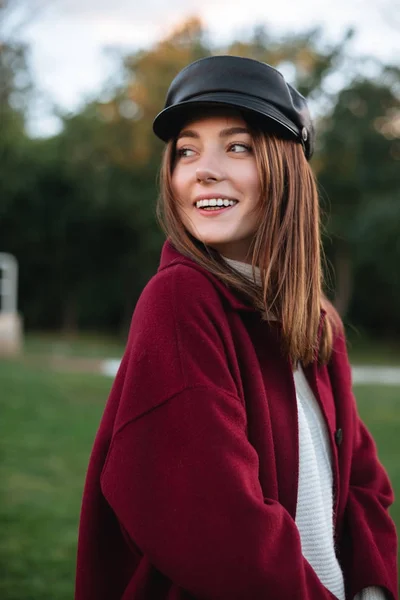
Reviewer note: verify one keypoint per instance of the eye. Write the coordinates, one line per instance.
(184, 152)
(239, 148)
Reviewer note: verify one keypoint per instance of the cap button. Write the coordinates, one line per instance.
(304, 134)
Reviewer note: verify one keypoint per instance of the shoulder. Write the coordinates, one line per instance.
(338, 333)
(179, 289)
(178, 333)
(182, 282)
(339, 360)
(334, 319)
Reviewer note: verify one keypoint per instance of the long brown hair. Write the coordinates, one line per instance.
(286, 246)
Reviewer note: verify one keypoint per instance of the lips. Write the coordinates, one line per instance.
(215, 203)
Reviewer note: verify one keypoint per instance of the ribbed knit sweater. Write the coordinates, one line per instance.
(314, 510)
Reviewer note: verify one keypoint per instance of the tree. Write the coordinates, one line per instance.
(311, 59)
(358, 172)
(78, 210)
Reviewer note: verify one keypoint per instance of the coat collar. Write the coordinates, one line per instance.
(170, 256)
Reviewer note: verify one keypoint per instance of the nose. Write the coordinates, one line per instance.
(207, 175)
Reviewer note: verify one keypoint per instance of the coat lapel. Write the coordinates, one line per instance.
(282, 405)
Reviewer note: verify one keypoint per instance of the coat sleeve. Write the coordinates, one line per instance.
(369, 541)
(182, 477)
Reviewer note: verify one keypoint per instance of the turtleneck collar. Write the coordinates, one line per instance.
(244, 269)
(247, 270)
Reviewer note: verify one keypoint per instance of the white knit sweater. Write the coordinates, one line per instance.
(314, 510)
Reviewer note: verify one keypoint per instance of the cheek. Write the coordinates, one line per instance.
(175, 184)
(252, 186)
(180, 182)
(180, 191)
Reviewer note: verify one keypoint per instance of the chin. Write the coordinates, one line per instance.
(215, 243)
(210, 238)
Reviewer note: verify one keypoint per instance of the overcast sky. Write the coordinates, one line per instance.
(67, 37)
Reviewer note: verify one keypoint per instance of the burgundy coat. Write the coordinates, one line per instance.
(192, 483)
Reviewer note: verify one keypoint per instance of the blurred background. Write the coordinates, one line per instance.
(80, 83)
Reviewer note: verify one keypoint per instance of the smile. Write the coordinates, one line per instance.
(215, 204)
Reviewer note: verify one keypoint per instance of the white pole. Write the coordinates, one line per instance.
(8, 283)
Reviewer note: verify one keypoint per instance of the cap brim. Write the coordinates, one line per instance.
(169, 121)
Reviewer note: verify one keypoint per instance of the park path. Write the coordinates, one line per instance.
(373, 374)
(361, 374)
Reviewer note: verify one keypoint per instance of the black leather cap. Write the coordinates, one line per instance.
(255, 88)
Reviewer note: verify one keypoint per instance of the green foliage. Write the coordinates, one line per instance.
(78, 210)
(313, 61)
(359, 171)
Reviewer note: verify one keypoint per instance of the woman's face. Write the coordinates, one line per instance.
(216, 183)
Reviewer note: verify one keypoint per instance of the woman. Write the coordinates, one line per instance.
(231, 463)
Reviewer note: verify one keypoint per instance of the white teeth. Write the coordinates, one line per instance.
(211, 202)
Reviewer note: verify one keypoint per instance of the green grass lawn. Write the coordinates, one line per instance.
(87, 345)
(362, 350)
(48, 422)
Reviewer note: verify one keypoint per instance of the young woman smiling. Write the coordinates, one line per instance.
(231, 463)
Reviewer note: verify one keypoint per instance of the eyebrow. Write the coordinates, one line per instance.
(222, 134)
